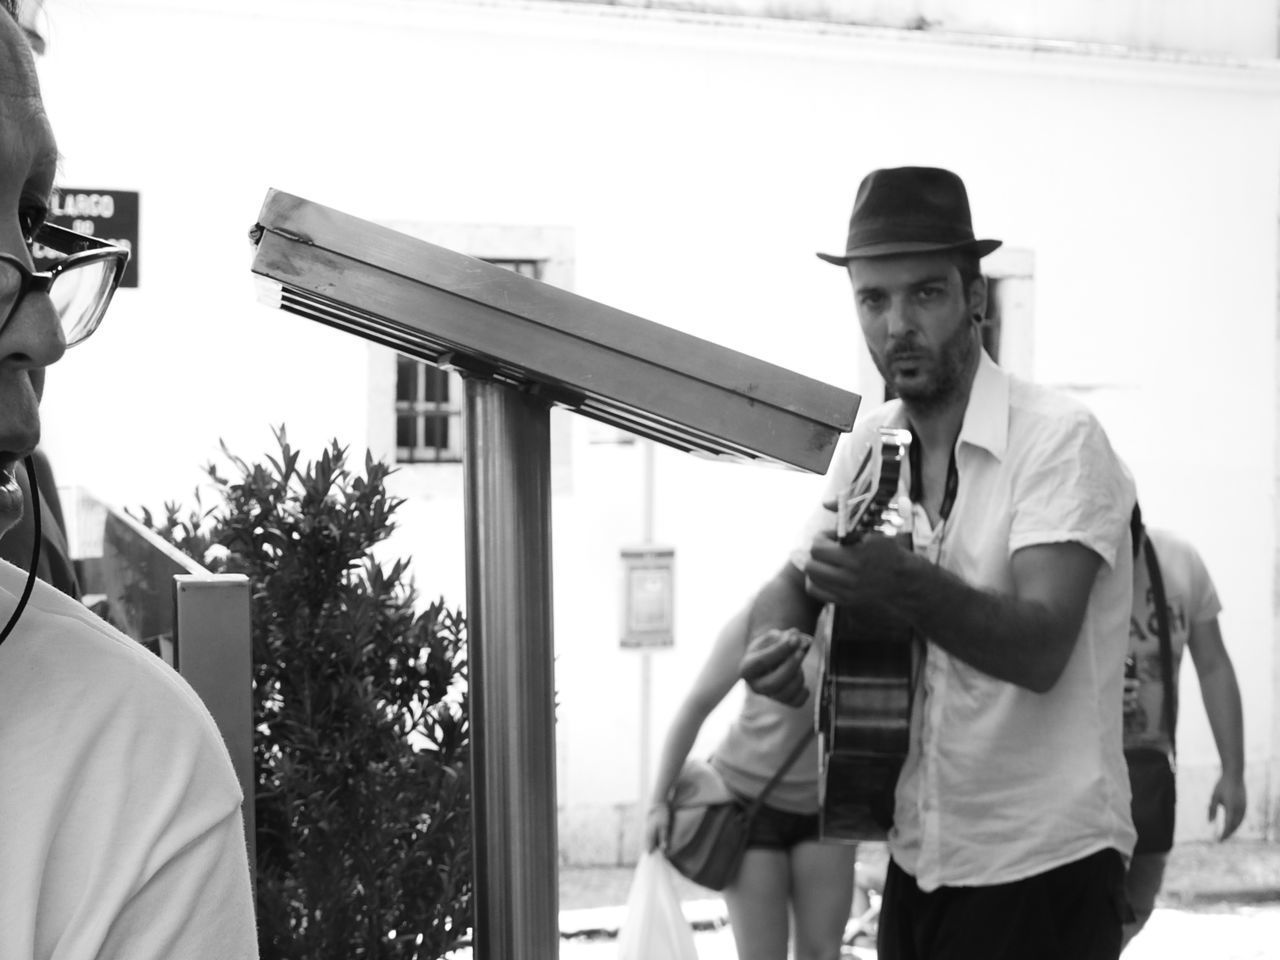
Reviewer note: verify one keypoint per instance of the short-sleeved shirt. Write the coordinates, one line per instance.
(1001, 783)
(1190, 598)
(121, 835)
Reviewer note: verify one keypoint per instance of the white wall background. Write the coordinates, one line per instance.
(1243, 28)
(698, 163)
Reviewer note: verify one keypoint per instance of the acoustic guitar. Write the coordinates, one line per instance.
(864, 689)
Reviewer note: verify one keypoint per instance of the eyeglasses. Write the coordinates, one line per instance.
(80, 285)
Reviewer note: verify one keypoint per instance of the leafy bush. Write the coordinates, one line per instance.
(360, 707)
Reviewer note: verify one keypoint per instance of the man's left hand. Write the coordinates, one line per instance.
(874, 571)
(1229, 795)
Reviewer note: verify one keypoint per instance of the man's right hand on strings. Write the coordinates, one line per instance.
(771, 665)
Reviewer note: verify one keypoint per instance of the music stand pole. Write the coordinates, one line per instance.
(507, 470)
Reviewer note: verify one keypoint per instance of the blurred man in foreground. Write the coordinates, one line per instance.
(121, 835)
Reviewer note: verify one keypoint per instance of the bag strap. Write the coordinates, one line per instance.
(1169, 713)
(787, 764)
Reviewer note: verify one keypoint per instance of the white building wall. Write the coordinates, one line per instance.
(698, 162)
(1243, 28)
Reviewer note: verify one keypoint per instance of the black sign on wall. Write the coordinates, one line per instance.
(110, 215)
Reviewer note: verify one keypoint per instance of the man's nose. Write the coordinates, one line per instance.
(32, 336)
(899, 318)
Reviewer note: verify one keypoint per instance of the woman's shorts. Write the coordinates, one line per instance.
(775, 829)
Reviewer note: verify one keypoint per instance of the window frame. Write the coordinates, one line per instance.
(423, 408)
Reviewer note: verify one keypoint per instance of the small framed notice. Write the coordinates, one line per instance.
(648, 602)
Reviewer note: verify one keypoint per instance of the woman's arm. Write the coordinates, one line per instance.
(718, 675)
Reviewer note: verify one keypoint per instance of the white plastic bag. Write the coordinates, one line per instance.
(654, 927)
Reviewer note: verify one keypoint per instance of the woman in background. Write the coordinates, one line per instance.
(790, 885)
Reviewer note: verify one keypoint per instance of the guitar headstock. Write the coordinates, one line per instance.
(869, 503)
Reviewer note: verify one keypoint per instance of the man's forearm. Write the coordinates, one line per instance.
(1220, 692)
(1221, 696)
(1019, 641)
(1023, 636)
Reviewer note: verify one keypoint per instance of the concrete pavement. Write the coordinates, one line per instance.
(1247, 933)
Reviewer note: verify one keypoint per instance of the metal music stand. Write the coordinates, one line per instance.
(522, 346)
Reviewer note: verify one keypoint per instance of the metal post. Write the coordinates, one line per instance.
(507, 470)
(213, 652)
(646, 662)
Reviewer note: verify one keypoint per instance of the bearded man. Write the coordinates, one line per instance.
(1010, 816)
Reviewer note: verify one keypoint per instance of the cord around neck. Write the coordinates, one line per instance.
(35, 550)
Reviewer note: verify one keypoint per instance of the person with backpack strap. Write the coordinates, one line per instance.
(1166, 565)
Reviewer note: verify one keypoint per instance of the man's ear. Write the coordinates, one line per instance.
(977, 298)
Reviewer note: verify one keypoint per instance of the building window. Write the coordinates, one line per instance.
(428, 413)
(429, 400)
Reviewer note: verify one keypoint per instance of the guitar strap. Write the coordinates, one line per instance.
(1169, 713)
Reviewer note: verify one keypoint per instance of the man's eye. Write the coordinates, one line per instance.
(929, 293)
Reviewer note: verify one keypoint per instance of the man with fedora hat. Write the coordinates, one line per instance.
(1011, 812)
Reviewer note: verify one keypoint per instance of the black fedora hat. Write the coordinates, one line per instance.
(910, 210)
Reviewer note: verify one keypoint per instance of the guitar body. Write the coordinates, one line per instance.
(864, 695)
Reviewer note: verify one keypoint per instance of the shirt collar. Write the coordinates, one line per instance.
(986, 418)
